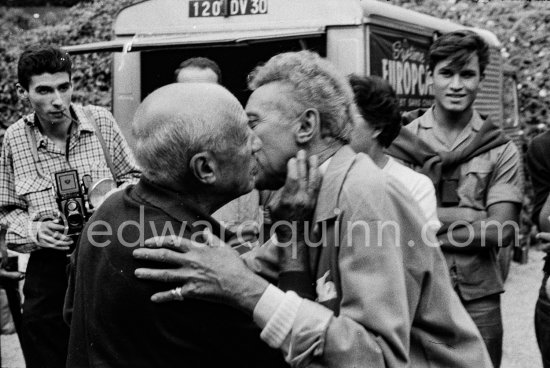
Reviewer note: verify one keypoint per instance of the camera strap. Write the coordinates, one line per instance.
(34, 150)
(3, 247)
(101, 141)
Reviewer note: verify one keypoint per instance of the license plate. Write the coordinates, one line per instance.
(222, 8)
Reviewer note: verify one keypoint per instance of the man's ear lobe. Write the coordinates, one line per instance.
(310, 122)
(204, 168)
(21, 92)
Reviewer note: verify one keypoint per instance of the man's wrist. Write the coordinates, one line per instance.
(250, 292)
(34, 232)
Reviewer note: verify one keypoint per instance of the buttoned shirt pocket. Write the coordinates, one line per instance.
(472, 190)
(38, 194)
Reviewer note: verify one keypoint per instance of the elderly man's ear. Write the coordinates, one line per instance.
(309, 124)
(204, 167)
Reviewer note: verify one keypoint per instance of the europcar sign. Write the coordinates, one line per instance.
(403, 61)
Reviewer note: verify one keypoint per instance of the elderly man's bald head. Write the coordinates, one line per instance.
(178, 120)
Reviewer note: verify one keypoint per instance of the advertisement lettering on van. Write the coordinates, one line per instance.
(402, 61)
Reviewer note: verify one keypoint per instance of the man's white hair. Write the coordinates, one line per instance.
(316, 83)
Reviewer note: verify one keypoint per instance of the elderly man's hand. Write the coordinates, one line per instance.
(295, 202)
(212, 272)
(292, 210)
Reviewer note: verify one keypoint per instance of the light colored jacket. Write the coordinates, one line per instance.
(384, 297)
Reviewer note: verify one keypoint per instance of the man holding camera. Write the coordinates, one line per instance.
(42, 201)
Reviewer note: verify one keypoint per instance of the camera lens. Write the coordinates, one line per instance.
(75, 219)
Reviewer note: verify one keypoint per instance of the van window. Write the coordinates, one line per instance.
(235, 61)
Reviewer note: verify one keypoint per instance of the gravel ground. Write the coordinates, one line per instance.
(520, 346)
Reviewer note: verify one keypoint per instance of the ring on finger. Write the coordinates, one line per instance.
(177, 293)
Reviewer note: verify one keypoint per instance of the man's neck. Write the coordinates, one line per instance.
(58, 132)
(452, 121)
(201, 200)
(325, 149)
(205, 201)
(376, 153)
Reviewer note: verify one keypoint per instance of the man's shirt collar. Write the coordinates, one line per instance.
(335, 171)
(84, 124)
(324, 166)
(427, 120)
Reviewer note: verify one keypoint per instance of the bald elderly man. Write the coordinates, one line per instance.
(114, 323)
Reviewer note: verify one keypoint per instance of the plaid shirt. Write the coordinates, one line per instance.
(26, 196)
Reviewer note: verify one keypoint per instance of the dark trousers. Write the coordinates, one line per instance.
(486, 314)
(542, 323)
(44, 334)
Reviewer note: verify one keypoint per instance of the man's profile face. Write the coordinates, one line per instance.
(456, 90)
(272, 123)
(50, 96)
(238, 163)
(192, 74)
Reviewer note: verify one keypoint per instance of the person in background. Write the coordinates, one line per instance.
(56, 137)
(476, 171)
(378, 125)
(538, 165)
(198, 70)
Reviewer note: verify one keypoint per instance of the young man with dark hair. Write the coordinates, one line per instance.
(377, 126)
(198, 69)
(475, 168)
(58, 136)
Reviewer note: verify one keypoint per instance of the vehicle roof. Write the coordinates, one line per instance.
(156, 17)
